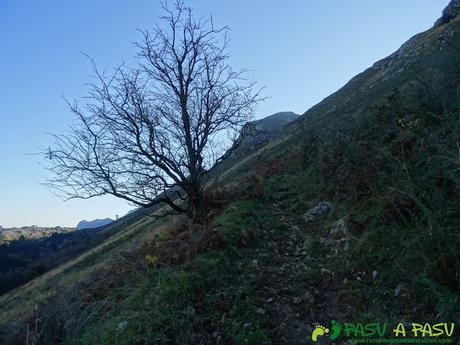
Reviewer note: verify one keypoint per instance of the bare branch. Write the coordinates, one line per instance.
(148, 134)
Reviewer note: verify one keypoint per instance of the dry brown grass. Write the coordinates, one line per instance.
(182, 241)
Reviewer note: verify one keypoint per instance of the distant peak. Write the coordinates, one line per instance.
(450, 12)
(96, 223)
(282, 115)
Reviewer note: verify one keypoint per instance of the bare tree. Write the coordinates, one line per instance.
(148, 134)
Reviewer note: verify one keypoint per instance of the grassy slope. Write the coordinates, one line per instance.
(386, 155)
(14, 304)
(21, 261)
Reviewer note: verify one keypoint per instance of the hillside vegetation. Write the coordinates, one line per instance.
(30, 232)
(350, 213)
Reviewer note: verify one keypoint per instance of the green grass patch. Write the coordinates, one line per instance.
(216, 295)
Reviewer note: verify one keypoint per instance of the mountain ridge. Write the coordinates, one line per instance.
(379, 79)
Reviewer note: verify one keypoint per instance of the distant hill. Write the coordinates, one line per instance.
(91, 224)
(260, 131)
(30, 232)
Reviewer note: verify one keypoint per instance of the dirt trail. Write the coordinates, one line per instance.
(302, 288)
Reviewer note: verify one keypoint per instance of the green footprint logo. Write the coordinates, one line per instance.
(336, 329)
(318, 331)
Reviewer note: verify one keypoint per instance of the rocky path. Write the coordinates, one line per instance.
(300, 287)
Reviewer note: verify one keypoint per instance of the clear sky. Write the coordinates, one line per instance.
(300, 50)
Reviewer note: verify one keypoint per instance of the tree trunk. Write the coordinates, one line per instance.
(196, 205)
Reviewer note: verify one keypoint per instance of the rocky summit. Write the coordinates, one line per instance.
(450, 13)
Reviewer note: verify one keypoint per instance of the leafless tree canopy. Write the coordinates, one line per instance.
(149, 133)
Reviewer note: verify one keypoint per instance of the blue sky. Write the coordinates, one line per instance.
(300, 50)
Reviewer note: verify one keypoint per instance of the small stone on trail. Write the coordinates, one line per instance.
(122, 325)
(326, 271)
(260, 311)
(296, 300)
(308, 297)
(398, 290)
(323, 208)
